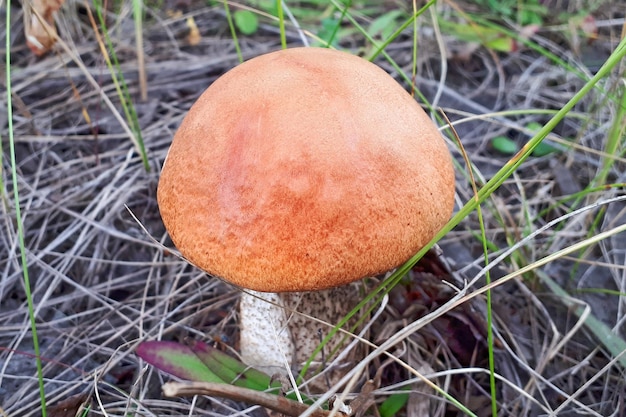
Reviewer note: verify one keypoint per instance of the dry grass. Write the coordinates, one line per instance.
(101, 284)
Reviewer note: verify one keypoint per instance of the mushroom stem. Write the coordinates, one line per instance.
(265, 340)
(283, 330)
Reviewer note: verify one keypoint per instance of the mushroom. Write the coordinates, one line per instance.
(295, 174)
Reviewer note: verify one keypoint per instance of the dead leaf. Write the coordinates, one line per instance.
(39, 28)
(194, 36)
(70, 407)
(365, 399)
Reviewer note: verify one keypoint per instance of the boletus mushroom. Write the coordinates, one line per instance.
(299, 172)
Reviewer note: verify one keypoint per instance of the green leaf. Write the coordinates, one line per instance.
(176, 359)
(504, 145)
(544, 149)
(385, 25)
(393, 404)
(246, 21)
(534, 126)
(500, 44)
(230, 369)
(491, 38)
(328, 31)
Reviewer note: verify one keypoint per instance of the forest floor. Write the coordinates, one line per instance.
(104, 275)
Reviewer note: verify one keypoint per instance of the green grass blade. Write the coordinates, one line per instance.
(121, 87)
(486, 249)
(400, 29)
(335, 31)
(233, 30)
(615, 137)
(18, 218)
(281, 24)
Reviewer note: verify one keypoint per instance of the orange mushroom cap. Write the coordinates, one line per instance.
(304, 169)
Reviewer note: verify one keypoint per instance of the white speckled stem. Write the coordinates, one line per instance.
(273, 337)
(265, 341)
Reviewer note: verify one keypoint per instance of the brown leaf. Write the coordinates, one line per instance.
(70, 407)
(194, 37)
(39, 28)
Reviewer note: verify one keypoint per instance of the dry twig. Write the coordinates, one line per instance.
(273, 402)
